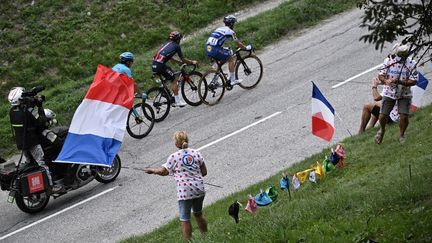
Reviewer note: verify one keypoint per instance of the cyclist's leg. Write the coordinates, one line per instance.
(227, 55)
(169, 75)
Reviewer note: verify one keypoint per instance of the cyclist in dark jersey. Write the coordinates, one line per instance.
(166, 53)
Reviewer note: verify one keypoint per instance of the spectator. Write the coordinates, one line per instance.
(188, 168)
(398, 74)
(371, 110)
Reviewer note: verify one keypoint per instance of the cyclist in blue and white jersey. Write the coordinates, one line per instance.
(126, 61)
(166, 53)
(215, 49)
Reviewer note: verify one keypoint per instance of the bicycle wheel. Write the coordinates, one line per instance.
(250, 71)
(160, 101)
(140, 121)
(211, 87)
(189, 88)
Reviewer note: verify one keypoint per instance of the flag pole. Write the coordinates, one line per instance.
(343, 124)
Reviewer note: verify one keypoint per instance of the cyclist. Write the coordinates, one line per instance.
(166, 53)
(215, 49)
(126, 61)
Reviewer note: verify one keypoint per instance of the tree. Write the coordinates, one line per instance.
(390, 20)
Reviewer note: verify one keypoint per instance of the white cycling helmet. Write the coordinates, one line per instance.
(15, 95)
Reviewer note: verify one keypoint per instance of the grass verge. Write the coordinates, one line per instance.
(65, 89)
(383, 194)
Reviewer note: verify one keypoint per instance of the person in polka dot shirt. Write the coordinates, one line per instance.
(188, 169)
(398, 74)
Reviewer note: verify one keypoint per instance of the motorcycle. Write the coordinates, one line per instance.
(28, 183)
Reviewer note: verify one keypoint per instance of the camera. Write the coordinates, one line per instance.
(31, 98)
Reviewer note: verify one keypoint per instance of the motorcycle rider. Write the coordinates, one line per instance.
(30, 125)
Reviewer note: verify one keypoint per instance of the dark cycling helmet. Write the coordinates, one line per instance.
(175, 36)
(126, 56)
(230, 20)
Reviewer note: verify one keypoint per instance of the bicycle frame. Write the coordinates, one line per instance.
(182, 77)
(143, 100)
(239, 59)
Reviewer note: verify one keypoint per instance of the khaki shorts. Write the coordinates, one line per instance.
(388, 103)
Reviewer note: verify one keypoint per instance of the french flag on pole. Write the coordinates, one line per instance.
(322, 115)
(98, 125)
(418, 91)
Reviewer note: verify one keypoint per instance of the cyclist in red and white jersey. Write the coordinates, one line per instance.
(166, 53)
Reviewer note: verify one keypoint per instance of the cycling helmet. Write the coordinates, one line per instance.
(175, 36)
(126, 56)
(15, 95)
(230, 20)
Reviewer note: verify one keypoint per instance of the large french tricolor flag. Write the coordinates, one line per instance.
(322, 115)
(418, 91)
(98, 125)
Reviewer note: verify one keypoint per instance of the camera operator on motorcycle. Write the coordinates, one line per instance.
(30, 126)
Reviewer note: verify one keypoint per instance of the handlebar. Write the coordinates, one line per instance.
(185, 65)
(241, 49)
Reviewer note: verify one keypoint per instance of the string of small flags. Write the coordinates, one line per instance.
(266, 197)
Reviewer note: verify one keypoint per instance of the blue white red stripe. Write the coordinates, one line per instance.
(98, 125)
(418, 91)
(322, 115)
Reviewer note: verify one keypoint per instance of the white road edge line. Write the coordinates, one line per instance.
(55, 214)
(356, 76)
(240, 130)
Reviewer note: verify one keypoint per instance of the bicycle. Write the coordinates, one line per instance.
(141, 119)
(249, 68)
(161, 98)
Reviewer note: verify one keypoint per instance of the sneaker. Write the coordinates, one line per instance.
(181, 103)
(235, 82)
(402, 139)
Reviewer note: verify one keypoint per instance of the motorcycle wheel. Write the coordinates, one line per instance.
(33, 203)
(108, 174)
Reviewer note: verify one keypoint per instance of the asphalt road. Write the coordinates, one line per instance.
(137, 203)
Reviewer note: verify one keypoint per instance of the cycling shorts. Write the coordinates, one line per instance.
(163, 70)
(219, 53)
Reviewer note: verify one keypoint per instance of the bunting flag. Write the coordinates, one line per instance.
(296, 182)
(322, 115)
(319, 171)
(302, 175)
(251, 205)
(312, 177)
(99, 123)
(418, 91)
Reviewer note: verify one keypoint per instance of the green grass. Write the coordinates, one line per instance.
(59, 45)
(375, 197)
